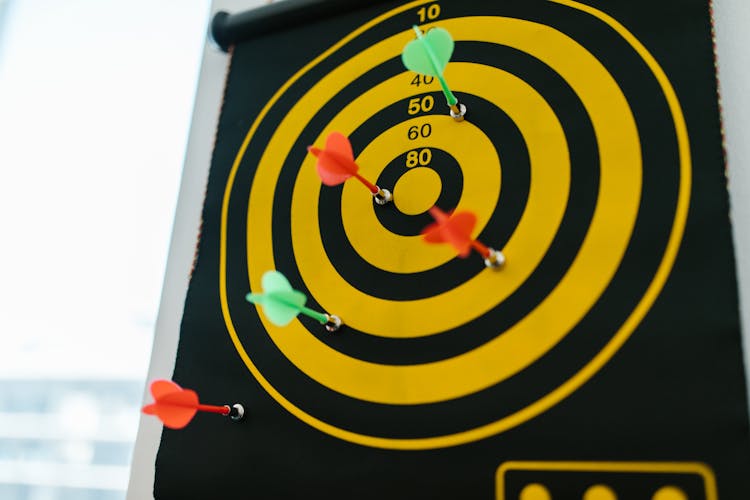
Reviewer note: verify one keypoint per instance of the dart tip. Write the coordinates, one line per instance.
(313, 150)
(494, 259)
(458, 111)
(236, 412)
(333, 322)
(382, 196)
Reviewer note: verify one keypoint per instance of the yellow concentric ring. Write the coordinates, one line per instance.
(534, 39)
(542, 328)
(375, 244)
(548, 192)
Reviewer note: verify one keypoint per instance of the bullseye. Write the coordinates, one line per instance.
(417, 190)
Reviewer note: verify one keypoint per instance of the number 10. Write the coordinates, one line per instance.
(430, 12)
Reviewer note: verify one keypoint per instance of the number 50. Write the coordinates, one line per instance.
(423, 104)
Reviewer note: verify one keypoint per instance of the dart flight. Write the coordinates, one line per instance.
(428, 55)
(455, 229)
(281, 303)
(336, 164)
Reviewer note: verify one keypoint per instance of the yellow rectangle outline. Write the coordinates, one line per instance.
(703, 470)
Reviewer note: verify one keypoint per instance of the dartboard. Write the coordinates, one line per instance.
(589, 161)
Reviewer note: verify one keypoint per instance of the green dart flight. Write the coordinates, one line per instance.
(428, 55)
(281, 303)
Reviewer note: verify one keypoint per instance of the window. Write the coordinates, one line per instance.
(95, 104)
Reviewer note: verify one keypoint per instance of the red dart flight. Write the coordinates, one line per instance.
(451, 228)
(176, 406)
(336, 164)
(456, 229)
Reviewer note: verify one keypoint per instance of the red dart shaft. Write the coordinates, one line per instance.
(482, 249)
(223, 410)
(372, 187)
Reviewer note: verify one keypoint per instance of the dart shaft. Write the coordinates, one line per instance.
(482, 249)
(223, 410)
(452, 101)
(320, 317)
(372, 187)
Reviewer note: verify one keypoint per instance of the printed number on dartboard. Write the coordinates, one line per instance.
(422, 104)
(423, 157)
(429, 12)
(422, 80)
(417, 131)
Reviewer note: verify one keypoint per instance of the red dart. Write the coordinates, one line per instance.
(336, 164)
(456, 228)
(176, 406)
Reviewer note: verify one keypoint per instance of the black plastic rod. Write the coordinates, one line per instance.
(230, 29)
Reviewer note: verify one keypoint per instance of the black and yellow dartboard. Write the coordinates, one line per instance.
(601, 361)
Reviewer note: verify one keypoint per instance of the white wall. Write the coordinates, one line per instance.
(732, 19)
(184, 238)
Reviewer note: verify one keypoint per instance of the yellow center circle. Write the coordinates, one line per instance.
(587, 277)
(417, 190)
(599, 492)
(534, 491)
(669, 493)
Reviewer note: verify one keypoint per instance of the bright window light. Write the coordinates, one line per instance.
(95, 104)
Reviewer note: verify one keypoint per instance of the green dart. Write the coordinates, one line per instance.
(281, 303)
(429, 55)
